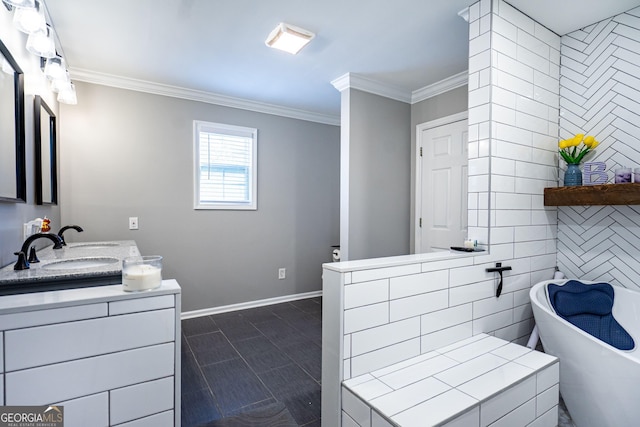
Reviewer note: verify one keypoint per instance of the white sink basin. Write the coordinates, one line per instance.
(80, 263)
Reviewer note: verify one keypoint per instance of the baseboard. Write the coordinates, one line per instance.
(249, 304)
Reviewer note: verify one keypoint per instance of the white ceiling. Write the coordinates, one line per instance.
(218, 46)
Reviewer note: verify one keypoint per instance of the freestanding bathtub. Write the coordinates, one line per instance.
(599, 383)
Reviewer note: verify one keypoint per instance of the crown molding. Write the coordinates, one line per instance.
(365, 84)
(355, 81)
(464, 14)
(445, 85)
(200, 96)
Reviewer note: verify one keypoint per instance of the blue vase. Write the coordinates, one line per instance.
(572, 176)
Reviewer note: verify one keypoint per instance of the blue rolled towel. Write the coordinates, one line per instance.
(588, 307)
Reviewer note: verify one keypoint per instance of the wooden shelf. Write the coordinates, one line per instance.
(588, 195)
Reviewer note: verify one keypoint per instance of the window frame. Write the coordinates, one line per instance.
(200, 126)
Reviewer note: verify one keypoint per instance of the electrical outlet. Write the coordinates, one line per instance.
(133, 223)
(282, 273)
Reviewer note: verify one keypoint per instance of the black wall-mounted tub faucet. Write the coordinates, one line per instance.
(498, 269)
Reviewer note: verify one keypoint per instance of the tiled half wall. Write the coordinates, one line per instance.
(600, 95)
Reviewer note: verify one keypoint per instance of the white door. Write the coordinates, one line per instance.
(442, 186)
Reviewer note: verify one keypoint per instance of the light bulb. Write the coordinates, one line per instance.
(41, 43)
(29, 19)
(55, 68)
(67, 94)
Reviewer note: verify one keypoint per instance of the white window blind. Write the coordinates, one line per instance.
(225, 166)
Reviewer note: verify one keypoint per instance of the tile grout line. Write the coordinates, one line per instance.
(213, 395)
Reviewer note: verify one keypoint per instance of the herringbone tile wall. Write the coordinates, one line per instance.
(600, 95)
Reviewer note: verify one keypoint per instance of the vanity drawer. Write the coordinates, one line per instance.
(141, 400)
(141, 304)
(87, 411)
(69, 380)
(43, 345)
(53, 315)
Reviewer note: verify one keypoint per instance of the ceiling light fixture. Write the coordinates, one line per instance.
(289, 38)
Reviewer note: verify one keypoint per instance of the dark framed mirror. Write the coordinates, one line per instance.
(13, 180)
(46, 169)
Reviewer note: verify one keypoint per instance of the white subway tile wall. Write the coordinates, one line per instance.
(599, 95)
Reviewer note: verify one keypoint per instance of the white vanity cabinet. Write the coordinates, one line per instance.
(109, 357)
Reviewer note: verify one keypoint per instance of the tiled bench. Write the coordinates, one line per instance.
(480, 381)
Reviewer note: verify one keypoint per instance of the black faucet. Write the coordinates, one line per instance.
(67, 227)
(22, 263)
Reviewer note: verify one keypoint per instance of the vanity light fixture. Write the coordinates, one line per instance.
(55, 68)
(67, 94)
(41, 43)
(60, 82)
(289, 38)
(29, 19)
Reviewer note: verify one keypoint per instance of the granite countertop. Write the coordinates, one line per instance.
(37, 275)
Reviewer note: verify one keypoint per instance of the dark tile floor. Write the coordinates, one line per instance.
(236, 362)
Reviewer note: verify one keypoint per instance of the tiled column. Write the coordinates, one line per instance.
(479, 119)
(525, 60)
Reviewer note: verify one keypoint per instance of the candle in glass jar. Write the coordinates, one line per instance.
(623, 175)
(141, 277)
(141, 273)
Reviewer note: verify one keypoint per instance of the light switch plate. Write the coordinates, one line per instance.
(133, 223)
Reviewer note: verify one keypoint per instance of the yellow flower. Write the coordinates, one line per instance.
(572, 151)
(576, 140)
(591, 142)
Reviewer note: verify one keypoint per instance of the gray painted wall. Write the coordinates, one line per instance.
(443, 105)
(378, 174)
(127, 153)
(14, 215)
